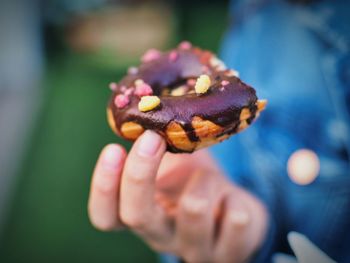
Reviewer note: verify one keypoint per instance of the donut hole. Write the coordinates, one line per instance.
(178, 88)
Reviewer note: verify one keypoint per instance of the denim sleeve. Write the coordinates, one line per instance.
(289, 54)
(231, 156)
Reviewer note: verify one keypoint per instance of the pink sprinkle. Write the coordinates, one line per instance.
(173, 55)
(225, 83)
(123, 88)
(191, 82)
(185, 45)
(121, 101)
(129, 91)
(143, 90)
(151, 54)
(113, 86)
(133, 70)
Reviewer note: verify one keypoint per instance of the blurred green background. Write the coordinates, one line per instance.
(47, 219)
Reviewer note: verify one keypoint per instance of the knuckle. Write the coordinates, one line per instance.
(104, 187)
(137, 177)
(238, 219)
(194, 206)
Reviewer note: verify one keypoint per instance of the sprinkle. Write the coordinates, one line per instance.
(113, 86)
(148, 103)
(139, 82)
(185, 45)
(173, 55)
(129, 91)
(150, 55)
(217, 63)
(225, 82)
(143, 89)
(232, 73)
(133, 70)
(191, 82)
(202, 84)
(121, 101)
(123, 88)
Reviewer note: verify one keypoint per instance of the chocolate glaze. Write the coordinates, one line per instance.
(221, 105)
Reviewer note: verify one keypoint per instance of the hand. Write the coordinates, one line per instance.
(177, 203)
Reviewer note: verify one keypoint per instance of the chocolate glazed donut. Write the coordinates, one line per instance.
(186, 95)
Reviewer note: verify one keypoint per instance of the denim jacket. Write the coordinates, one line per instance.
(297, 57)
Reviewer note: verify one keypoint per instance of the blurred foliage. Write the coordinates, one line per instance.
(49, 222)
(202, 22)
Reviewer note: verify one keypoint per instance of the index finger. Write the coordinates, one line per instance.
(137, 204)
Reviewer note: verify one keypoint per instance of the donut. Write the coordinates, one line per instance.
(187, 95)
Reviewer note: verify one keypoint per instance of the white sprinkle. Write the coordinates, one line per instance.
(113, 86)
(133, 70)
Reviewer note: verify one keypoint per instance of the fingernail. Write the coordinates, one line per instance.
(149, 144)
(112, 156)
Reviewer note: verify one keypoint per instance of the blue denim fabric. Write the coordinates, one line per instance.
(297, 57)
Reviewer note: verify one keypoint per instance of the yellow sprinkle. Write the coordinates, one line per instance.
(148, 103)
(139, 82)
(202, 84)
